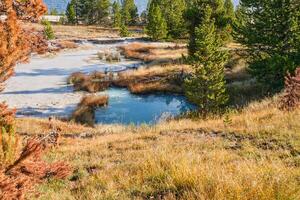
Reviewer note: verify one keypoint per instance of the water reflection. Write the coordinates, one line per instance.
(126, 108)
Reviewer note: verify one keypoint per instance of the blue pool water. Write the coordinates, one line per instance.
(126, 108)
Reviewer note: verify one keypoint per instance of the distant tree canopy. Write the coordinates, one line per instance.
(129, 12)
(17, 43)
(89, 11)
(157, 26)
(117, 16)
(102, 12)
(221, 15)
(173, 14)
(271, 31)
(183, 16)
(71, 12)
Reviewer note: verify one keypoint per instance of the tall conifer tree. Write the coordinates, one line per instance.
(117, 17)
(173, 11)
(229, 20)
(195, 16)
(129, 12)
(71, 12)
(157, 26)
(271, 31)
(206, 86)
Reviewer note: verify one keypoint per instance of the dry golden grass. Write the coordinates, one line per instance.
(91, 83)
(167, 78)
(251, 154)
(81, 32)
(35, 126)
(258, 118)
(164, 79)
(158, 70)
(158, 53)
(78, 32)
(66, 44)
(153, 87)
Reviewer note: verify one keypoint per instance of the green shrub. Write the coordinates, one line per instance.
(8, 139)
(48, 31)
(124, 31)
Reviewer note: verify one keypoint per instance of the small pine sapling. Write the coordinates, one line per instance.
(48, 31)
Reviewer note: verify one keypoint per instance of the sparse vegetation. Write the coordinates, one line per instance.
(142, 81)
(154, 87)
(92, 83)
(155, 54)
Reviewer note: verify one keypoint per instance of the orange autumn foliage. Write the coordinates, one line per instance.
(20, 173)
(16, 43)
(29, 169)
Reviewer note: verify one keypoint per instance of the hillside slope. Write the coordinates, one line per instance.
(251, 154)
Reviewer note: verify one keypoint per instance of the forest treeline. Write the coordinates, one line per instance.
(270, 29)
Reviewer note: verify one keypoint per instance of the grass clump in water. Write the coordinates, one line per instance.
(85, 112)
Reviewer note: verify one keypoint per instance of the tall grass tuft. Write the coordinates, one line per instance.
(167, 174)
(92, 83)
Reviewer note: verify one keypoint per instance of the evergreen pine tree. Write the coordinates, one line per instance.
(102, 11)
(206, 86)
(195, 15)
(71, 13)
(229, 20)
(173, 11)
(117, 17)
(129, 12)
(124, 30)
(157, 26)
(48, 31)
(271, 31)
(93, 11)
(229, 10)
